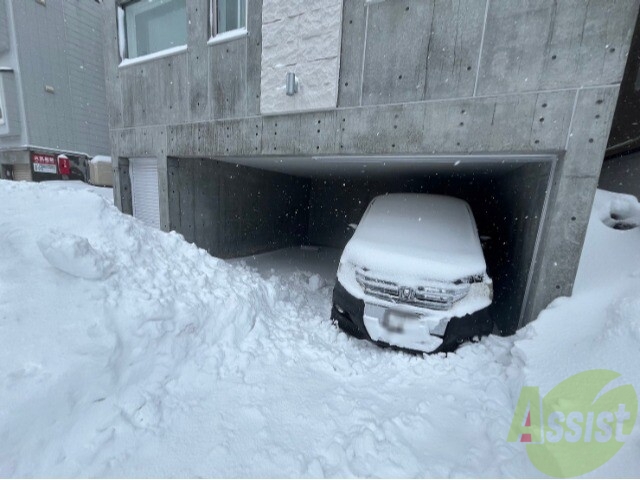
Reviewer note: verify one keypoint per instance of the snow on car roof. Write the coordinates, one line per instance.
(419, 235)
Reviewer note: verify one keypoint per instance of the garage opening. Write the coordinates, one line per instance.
(243, 206)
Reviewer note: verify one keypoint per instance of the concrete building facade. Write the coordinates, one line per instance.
(52, 91)
(505, 103)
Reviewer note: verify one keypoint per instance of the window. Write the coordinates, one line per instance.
(228, 15)
(150, 26)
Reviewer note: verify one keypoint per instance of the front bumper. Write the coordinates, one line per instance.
(349, 313)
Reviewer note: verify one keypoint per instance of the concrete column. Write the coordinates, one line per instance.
(572, 193)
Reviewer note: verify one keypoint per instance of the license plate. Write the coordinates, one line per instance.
(392, 321)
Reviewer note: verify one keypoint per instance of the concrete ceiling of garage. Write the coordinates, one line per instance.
(380, 166)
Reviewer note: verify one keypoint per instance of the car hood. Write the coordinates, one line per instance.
(417, 236)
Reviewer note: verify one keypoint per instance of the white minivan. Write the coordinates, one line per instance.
(413, 276)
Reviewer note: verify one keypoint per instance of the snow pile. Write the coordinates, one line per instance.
(173, 363)
(74, 255)
(623, 213)
(599, 326)
(104, 320)
(624, 318)
(105, 192)
(315, 282)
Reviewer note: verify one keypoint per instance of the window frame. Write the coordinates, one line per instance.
(123, 40)
(214, 35)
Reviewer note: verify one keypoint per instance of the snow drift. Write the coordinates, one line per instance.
(74, 255)
(129, 352)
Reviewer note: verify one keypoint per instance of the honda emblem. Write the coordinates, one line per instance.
(406, 293)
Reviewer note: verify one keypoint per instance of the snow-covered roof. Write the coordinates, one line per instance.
(101, 159)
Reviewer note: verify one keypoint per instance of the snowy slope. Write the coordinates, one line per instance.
(128, 352)
(599, 326)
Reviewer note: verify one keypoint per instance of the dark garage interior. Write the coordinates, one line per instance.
(232, 208)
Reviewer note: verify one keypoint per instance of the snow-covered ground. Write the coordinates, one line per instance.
(106, 193)
(128, 352)
(322, 263)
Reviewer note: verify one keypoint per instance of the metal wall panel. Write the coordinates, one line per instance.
(85, 64)
(40, 41)
(12, 122)
(60, 45)
(22, 172)
(144, 190)
(4, 27)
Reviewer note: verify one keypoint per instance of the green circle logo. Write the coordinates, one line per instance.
(578, 426)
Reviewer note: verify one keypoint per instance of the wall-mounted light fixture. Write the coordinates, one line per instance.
(292, 84)
(49, 89)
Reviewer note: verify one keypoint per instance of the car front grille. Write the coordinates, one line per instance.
(431, 295)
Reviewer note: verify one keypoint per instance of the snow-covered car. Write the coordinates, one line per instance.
(413, 275)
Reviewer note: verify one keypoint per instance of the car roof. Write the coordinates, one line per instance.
(432, 234)
(405, 209)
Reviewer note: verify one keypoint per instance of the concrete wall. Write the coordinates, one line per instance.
(59, 45)
(232, 210)
(479, 48)
(513, 222)
(495, 76)
(206, 82)
(5, 42)
(303, 38)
